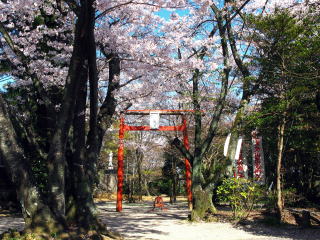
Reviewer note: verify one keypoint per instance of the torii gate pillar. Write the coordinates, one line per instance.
(120, 171)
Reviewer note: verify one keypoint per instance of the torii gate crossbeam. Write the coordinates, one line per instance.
(123, 128)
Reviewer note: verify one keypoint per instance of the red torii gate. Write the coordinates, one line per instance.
(123, 128)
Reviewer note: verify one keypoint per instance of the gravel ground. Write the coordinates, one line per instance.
(138, 221)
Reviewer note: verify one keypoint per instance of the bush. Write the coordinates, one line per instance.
(241, 194)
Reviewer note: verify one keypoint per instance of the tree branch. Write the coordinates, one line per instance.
(129, 81)
(216, 10)
(224, 88)
(111, 9)
(185, 152)
(237, 12)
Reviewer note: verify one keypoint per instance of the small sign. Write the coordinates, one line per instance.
(154, 120)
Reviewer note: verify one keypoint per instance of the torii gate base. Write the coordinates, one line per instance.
(123, 128)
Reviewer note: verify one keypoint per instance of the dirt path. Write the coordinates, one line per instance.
(138, 221)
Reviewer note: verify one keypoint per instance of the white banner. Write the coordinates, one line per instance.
(226, 145)
(238, 149)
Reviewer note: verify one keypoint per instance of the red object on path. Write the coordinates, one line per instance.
(158, 202)
(123, 128)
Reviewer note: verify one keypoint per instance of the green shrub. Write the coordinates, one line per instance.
(241, 194)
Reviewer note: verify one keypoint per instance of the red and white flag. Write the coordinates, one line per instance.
(258, 158)
(241, 160)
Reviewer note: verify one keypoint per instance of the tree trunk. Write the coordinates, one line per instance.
(139, 172)
(202, 203)
(76, 175)
(280, 203)
(86, 153)
(82, 209)
(202, 200)
(38, 217)
(92, 138)
(202, 197)
(246, 93)
(199, 205)
(132, 183)
(56, 156)
(146, 187)
(109, 104)
(174, 180)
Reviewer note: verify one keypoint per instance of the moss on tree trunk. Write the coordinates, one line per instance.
(202, 204)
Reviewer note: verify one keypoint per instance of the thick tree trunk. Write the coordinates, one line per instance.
(86, 153)
(81, 208)
(56, 156)
(92, 138)
(317, 100)
(280, 203)
(38, 217)
(202, 203)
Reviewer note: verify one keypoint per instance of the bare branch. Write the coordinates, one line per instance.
(216, 10)
(133, 2)
(237, 12)
(129, 81)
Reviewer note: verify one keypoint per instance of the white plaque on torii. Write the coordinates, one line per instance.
(154, 120)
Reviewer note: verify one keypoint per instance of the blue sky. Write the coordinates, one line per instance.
(164, 13)
(4, 79)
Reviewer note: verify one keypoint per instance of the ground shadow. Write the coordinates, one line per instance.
(138, 220)
(288, 232)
